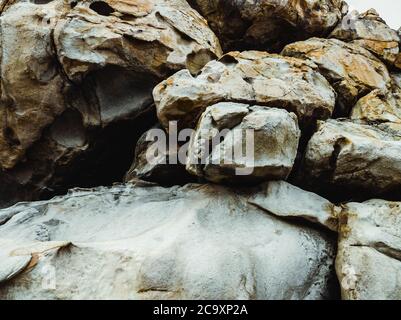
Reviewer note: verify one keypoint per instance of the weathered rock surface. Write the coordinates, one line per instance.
(285, 200)
(241, 143)
(195, 242)
(369, 253)
(381, 105)
(158, 160)
(352, 70)
(397, 79)
(69, 70)
(269, 24)
(371, 32)
(354, 157)
(251, 77)
(83, 82)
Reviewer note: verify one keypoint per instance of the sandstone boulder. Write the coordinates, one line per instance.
(133, 242)
(354, 158)
(368, 262)
(381, 105)
(371, 32)
(352, 70)
(242, 143)
(157, 160)
(269, 24)
(251, 77)
(77, 76)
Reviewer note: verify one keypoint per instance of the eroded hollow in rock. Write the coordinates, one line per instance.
(119, 93)
(108, 159)
(102, 8)
(91, 143)
(41, 1)
(68, 130)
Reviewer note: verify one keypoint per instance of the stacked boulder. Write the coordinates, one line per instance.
(272, 156)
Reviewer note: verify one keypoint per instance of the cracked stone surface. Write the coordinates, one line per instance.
(229, 130)
(352, 70)
(381, 105)
(252, 77)
(355, 155)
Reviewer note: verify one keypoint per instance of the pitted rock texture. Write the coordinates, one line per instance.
(269, 24)
(371, 32)
(355, 157)
(252, 77)
(195, 242)
(75, 74)
(242, 143)
(368, 261)
(352, 70)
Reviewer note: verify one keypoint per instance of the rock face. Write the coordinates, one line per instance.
(196, 242)
(298, 121)
(269, 24)
(222, 149)
(249, 77)
(74, 74)
(368, 261)
(285, 200)
(156, 160)
(355, 156)
(371, 32)
(352, 70)
(381, 105)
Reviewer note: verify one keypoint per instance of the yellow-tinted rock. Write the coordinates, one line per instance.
(252, 77)
(371, 32)
(352, 70)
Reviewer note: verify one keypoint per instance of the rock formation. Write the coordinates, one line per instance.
(154, 243)
(371, 32)
(269, 169)
(275, 132)
(76, 75)
(269, 24)
(252, 77)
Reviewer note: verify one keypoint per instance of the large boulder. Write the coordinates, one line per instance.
(352, 70)
(241, 143)
(368, 262)
(252, 77)
(354, 158)
(381, 105)
(371, 32)
(137, 242)
(269, 24)
(75, 76)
